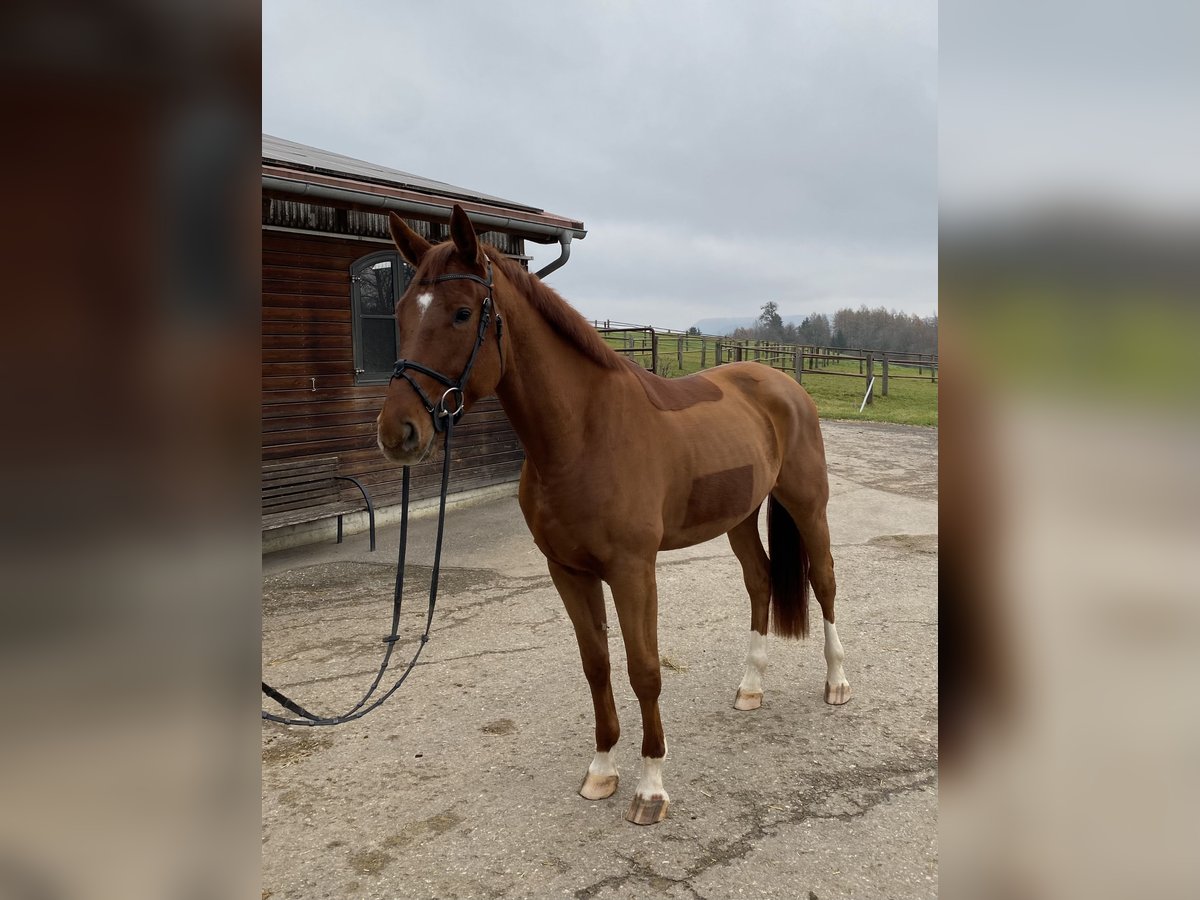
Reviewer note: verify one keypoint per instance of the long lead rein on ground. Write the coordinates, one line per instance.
(439, 413)
(358, 711)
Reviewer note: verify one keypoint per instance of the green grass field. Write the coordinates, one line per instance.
(909, 401)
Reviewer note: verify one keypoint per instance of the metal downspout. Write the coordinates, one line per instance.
(564, 243)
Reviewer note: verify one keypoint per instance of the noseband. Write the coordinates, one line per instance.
(441, 411)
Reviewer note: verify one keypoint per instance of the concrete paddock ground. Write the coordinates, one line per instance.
(465, 783)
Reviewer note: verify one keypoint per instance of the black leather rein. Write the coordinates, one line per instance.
(444, 420)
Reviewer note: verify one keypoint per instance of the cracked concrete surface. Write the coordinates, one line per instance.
(464, 783)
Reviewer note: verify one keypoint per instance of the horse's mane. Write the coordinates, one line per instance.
(558, 313)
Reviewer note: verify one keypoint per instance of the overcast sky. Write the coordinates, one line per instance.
(720, 154)
(1069, 101)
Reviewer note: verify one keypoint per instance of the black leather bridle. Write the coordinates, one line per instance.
(439, 412)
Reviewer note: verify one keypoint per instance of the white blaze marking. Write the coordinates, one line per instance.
(834, 654)
(756, 664)
(423, 300)
(602, 764)
(650, 784)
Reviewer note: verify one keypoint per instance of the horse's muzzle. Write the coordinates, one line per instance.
(400, 441)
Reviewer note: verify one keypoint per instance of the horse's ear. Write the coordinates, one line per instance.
(410, 244)
(463, 233)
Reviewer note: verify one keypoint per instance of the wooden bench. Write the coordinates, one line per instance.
(307, 490)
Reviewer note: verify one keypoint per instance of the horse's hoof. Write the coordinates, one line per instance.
(647, 810)
(837, 694)
(598, 787)
(747, 699)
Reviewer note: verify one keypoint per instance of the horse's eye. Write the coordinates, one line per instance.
(462, 315)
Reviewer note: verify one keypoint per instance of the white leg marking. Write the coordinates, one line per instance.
(756, 664)
(602, 765)
(601, 779)
(650, 785)
(650, 801)
(834, 656)
(750, 691)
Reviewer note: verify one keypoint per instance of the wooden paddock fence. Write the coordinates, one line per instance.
(674, 352)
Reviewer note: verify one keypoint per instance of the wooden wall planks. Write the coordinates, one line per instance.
(306, 335)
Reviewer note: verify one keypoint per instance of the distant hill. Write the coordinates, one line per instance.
(729, 325)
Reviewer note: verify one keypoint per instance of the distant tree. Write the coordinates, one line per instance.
(770, 322)
(693, 330)
(865, 328)
(881, 329)
(814, 330)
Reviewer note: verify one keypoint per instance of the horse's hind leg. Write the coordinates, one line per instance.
(814, 530)
(805, 500)
(583, 597)
(756, 571)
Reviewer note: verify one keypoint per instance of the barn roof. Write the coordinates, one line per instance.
(289, 166)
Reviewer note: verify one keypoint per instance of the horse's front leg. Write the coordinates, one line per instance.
(583, 597)
(635, 595)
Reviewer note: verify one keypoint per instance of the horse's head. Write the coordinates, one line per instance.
(450, 337)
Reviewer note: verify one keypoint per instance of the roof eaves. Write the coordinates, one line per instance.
(420, 204)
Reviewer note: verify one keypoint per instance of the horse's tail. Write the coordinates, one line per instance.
(789, 572)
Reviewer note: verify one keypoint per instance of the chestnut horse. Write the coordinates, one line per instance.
(619, 464)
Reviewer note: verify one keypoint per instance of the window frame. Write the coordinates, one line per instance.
(402, 274)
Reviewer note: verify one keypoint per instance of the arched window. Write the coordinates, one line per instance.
(377, 281)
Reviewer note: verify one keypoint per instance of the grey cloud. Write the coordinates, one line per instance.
(808, 130)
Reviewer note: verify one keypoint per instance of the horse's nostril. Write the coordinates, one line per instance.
(397, 435)
(409, 441)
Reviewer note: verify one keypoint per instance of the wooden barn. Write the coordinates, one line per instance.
(331, 276)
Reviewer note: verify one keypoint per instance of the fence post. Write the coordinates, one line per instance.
(798, 364)
(932, 370)
(681, 354)
(885, 374)
(702, 352)
(653, 351)
(870, 375)
(718, 358)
